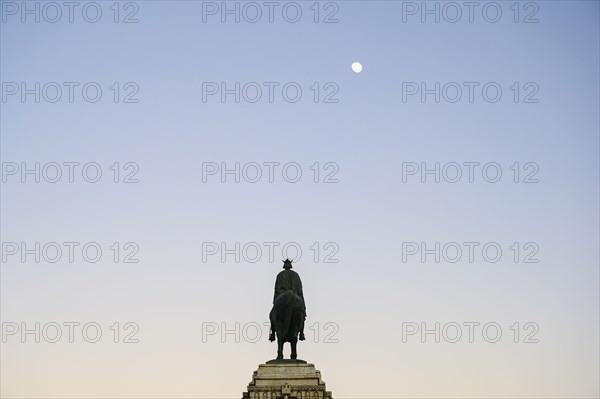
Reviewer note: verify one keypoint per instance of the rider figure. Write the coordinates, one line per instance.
(290, 280)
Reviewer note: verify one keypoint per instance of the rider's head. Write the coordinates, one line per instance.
(287, 264)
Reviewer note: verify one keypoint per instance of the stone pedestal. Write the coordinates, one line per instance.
(286, 380)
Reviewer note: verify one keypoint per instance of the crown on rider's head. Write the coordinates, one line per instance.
(287, 264)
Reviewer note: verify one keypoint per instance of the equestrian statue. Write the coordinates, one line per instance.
(289, 311)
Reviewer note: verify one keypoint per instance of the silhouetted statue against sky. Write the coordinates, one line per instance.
(289, 311)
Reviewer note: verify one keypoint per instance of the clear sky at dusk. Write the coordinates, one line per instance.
(450, 186)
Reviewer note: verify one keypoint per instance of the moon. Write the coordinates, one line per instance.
(356, 67)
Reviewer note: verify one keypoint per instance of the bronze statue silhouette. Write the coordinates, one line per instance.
(289, 311)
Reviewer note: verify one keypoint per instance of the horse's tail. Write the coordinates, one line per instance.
(286, 305)
(286, 326)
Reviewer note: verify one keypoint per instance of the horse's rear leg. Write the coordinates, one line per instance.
(293, 345)
(279, 349)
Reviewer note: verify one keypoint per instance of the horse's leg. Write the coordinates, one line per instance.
(279, 348)
(293, 343)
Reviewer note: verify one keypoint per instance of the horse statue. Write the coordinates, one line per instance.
(287, 321)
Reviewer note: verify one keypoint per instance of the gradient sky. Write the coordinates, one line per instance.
(369, 133)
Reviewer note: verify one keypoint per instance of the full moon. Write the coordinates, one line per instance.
(356, 67)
